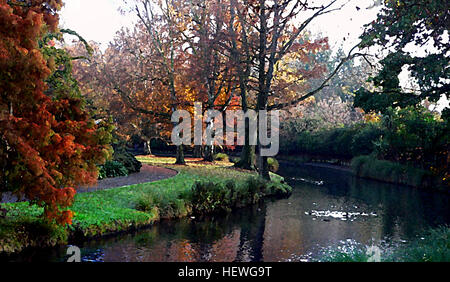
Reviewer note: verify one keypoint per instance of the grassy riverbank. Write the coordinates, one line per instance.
(122, 209)
(434, 246)
(372, 168)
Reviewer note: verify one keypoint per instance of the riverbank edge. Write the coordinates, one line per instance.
(32, 233)
(369, 167)
(366, 167)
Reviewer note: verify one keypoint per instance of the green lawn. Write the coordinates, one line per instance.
(120, 209)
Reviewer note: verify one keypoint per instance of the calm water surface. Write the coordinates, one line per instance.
(327, 208)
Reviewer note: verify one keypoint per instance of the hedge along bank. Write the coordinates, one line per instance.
(128, 208)
(371, 168)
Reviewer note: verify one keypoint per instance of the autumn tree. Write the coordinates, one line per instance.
(277, 27)
(331, 107)
(49, 145)
(290, 73)
(123, 83)
(210, 65)
(163, 25)
(240, 38)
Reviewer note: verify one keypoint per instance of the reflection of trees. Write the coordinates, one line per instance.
(403, 210)
(233, 237)
(236, 236)
(253, 235)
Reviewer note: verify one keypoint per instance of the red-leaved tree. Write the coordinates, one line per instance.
(49, 145)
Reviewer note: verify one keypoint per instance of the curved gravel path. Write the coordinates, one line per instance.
(147, 174)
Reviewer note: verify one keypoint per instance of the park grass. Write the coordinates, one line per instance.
(433, 246)
(110, 211)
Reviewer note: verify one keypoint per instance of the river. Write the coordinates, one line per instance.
(328, 208)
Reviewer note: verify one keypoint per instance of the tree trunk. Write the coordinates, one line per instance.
(209, 153)
(263, 167)
(248, 156)
(147, 148)
(264, 79)
(198, 151)
(180, 156)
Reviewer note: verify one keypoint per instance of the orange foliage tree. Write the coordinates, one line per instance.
(49, 145)
(125, 83)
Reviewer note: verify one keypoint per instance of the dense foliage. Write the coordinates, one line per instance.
(123, 163)
(405, 28)
(221, 157)
(208, 197)
(112, 169)
(127, 159)
(417, 137)
(273, 164)
(412, 136)
(343, 142)
(48, 143)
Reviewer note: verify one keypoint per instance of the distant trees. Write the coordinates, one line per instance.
(218, 52)
(352, 76)
(121, 84)
(48, 143)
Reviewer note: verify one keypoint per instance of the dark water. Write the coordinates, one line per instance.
(327, 208)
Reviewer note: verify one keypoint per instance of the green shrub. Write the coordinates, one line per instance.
(305, 143)
(159, 144)
(112, 169)
(416, 137)
(333, 143)
(273, 165)
(221, 157)
(208, 197)
(258, 185)
(122, 164)
(255, 189)
(338, 142)
(363, 142)
(145, 203)
(348, 254)
(128, 160)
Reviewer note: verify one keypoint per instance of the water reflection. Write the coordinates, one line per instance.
(341, 208)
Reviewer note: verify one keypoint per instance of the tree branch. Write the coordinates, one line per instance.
(349, 57)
